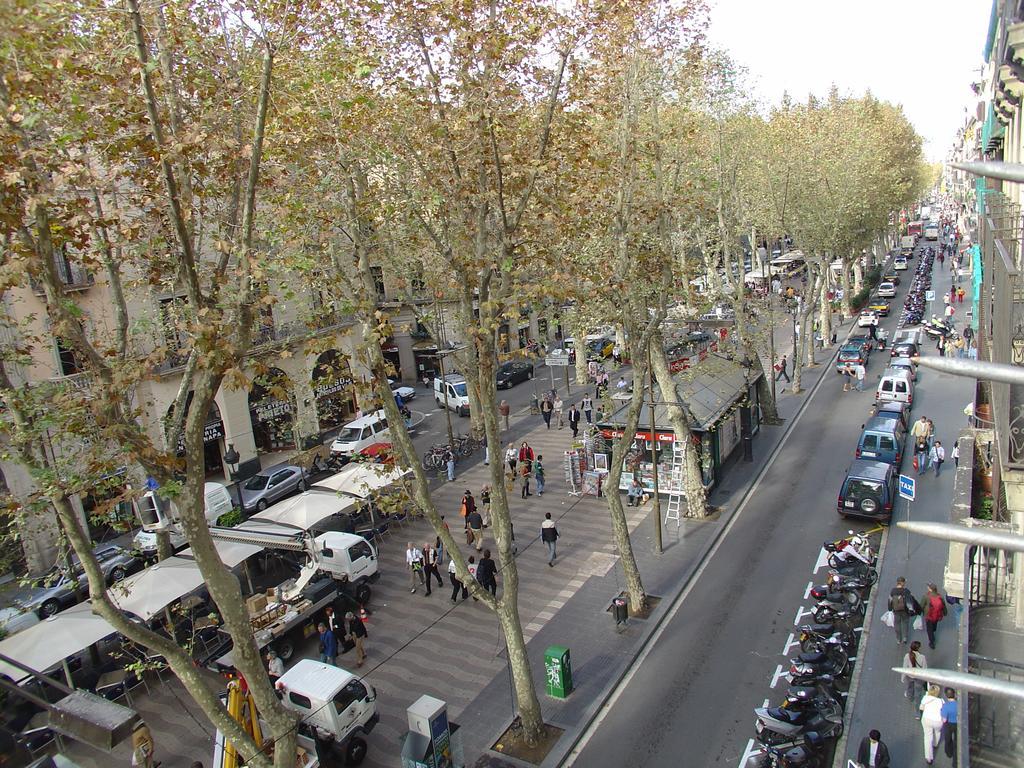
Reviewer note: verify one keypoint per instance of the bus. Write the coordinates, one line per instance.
(915, 228)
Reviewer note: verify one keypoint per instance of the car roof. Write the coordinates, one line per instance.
(871, 470)
(369, 418)
(893, 405)
(896, 373)
(880, 423)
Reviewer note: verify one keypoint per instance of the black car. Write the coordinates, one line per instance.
(868, 490)
(513, 372)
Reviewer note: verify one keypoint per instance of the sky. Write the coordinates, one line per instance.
(922, 54)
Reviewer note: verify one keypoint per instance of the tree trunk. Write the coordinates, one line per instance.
(681, 418)
(825, 318)
(858, 275)
(847, 307)
(579, 335)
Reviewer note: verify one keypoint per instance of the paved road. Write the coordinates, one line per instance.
(719, 656)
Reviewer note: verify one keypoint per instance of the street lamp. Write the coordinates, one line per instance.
(231, 458)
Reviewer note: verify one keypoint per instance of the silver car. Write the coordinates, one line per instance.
(58, 589)
(270, 486)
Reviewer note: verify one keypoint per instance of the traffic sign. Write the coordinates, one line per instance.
(929, 295)
(556, 361)
(907, 487)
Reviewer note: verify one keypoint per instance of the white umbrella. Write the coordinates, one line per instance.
(361, 480)
(306, 510)
(147, 593)
(53, 640)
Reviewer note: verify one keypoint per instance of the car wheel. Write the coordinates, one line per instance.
(355, 752)
(49, 608)
(363, 594)
(301, 486)
(261, 505)
(117, 574)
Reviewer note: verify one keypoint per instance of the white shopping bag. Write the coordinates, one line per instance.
(888, 619)
(918, 622)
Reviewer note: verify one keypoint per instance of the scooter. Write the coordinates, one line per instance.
(829, 613)
(815, 637)
(779, 725)
(809, 753)
(838, 584)
(831, 660)
(828, 610)
(853, 547)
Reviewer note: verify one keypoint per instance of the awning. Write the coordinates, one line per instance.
(51, 641)
(148, 592)
(307, 509)
(231, 552)
(709, 389)
(360, 480)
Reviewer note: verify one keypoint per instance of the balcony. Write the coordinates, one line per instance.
(81, 382)
(72, 277)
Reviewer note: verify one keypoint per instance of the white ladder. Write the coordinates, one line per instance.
(675, 486)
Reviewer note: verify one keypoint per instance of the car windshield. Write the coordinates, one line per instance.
(849, 354)
(460, 389)
(256, 483)
(505, 368)
(858, 489)
(349, 435)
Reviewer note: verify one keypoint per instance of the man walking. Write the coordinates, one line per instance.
(872, 752)
(457, 586)
(549, 535)
(476, 529)
(937, 455)
(538, 474)
(901, 603)
(328, 644)
(922, 430)
(414, 562)
(356, 632)
(487, 572)
(524, 478)
(861, 373)
(430, 566)
(780, 370)
(574, 420)
(449, 462)
(467, 505)
(588, 407)
(950, 715)
(511, 457)
(934, 612)
(546, 409)
(558, 405)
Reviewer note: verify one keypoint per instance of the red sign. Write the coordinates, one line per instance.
(663, 437)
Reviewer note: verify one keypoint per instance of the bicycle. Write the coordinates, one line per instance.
(434, 458)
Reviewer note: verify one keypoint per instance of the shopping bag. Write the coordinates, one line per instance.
(888, 619)
(918, 623)
(915, 464)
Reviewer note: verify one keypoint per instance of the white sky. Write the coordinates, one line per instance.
(922, 54)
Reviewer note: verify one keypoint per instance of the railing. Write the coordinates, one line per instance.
(990, 576)
(72, 277)
(996, 724)
(80, 381)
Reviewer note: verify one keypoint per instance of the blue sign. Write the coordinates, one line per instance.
(907, 487)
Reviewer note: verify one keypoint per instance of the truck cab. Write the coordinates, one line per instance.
(348, 557)
(334, 705)
(452, 392)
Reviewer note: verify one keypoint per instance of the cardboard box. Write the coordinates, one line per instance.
(256, 604)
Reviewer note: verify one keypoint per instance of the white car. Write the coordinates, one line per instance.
(406, 393)
(867, 318)
(899, 263)
(886, 290)
(14, 620)
(904, 363)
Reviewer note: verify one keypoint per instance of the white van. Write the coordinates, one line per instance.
(157, 514)
(895, 386)
(453, 392)
(361, 433)
(931, 232)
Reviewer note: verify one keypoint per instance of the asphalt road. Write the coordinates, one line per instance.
(690, 701)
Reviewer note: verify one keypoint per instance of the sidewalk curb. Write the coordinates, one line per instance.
(559, 754)
(862, 647)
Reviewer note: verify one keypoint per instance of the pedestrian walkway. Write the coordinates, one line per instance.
(877, 699)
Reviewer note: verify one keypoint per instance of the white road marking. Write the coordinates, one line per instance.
(766, 702)
(752, 750)
(807, 592)
(822, 560)
(780, 671)
(800, 613)
(790, 643)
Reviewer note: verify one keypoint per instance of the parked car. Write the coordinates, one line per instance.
(56, 589)
(887, 289)
(903, 349)
(868, 490)
(881, 439)
(867, 318)
(891, 277)
(896, 411)
(851, 355)
(270, 486)
(904, 363)
(513, 372)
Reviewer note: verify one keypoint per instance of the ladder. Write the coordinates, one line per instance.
(675, 486)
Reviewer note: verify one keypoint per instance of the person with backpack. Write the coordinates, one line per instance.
(914, 658)
(934, 612)
(549, 535)
(902, 605)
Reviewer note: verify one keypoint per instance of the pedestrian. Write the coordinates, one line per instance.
(546, 408)
(617, 354)
(439, 546)
(414, 562)
(959, 346)
(525, 469)
(588, 407)
(487, 572)
(931, 432)
(931, 722)
(621, 385)
(950, 715)
(143, 746)
(937, 455)
(781, 369)
(558, 405)
(467, 505)
(861, 373)
(939, 344)
(449, 462)
(355, 633)
(487, 450)
(511, 457)
(952, 295)
(538, 474)
(275, 666)
(950, 311)
(922, 429)
(913, 658)
(504, 409)
(960, 293)
(549, 535)
(574, 420)
(430, 561)
(485, 504)
(328, 644)
(934, 612)
(847, 373)
(457, 585)
(872, 752)
(475, 534)
(472, 568)
(902, 605)
(956, 454)
(526, 455)
(634, 493)
(921, 455)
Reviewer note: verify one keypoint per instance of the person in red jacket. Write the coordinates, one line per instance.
(526, 454)
(934, 612)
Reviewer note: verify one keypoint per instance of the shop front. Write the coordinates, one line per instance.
(717, 392)
(213, 438)
(333, 390)
(272, 412)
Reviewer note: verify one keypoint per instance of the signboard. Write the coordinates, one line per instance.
(929, 295)
(212, 432)
(554, 362)
(271, 409)
(329, 388)
(907, 487)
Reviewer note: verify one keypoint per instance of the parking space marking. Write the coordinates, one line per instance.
(751, 751)
(800, 613)
(780, 671)
(822, 560)
(807, 592)
(790, 642)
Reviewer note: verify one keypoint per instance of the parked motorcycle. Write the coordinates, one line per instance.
(838, 584)
(849, 605)
(853, 547)
(780, 725)
(809, 753)
(814, 637)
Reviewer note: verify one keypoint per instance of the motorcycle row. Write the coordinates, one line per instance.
(915, 303)
(803, 729)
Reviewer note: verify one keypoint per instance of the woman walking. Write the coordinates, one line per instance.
(913, 658)
(931, 722)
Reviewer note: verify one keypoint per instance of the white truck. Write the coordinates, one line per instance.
(907, 243)
(284, 616)
(337, 709)
(158, 514)
(452, 392)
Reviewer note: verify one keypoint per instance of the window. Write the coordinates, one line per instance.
(360, 550)
(347, 696)
(856, 490)
(172, 319)
(378, 282)
(299, 700)
(416, 286)
(887, 443)
(68, 359)
(281, 477)
(870, 442)
(901, 387)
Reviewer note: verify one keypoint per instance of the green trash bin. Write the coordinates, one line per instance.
(558, 671)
